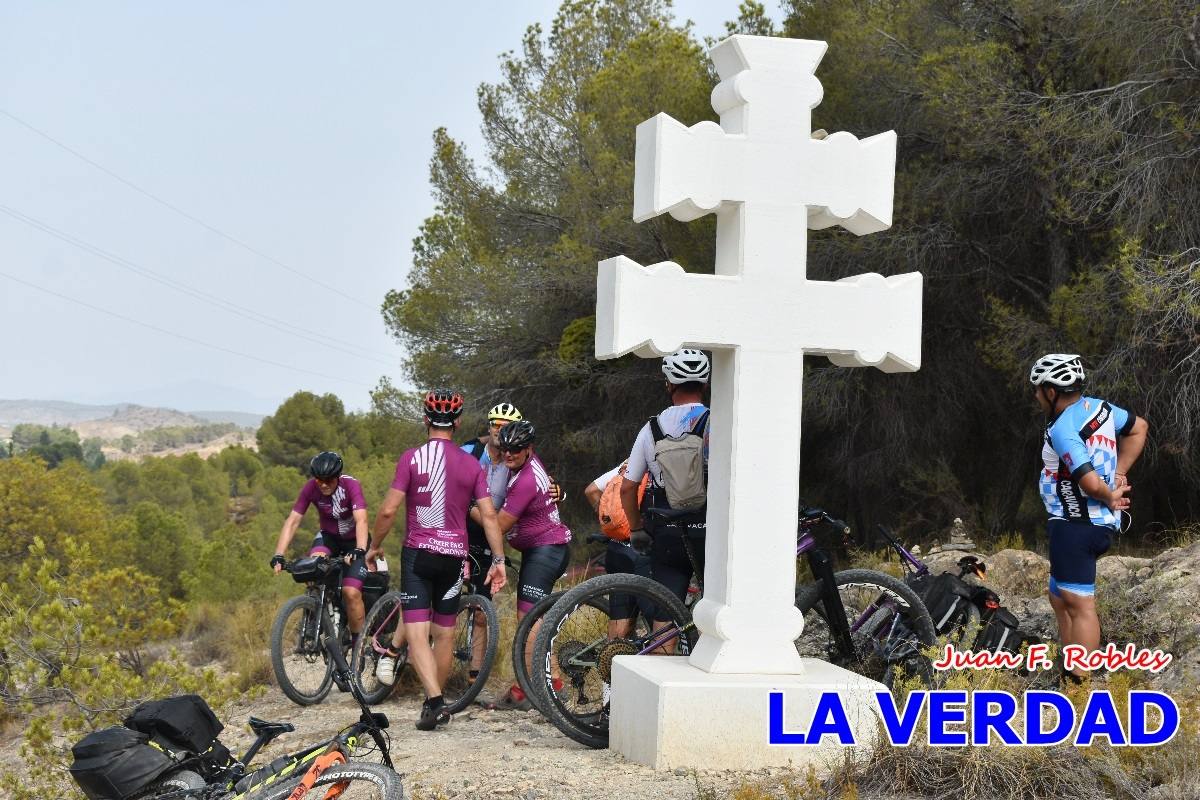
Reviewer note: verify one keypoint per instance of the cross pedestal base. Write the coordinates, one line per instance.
(666, 714)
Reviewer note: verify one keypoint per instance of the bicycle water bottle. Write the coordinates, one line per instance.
(336, 616)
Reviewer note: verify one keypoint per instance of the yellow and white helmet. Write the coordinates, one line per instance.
(505, 412)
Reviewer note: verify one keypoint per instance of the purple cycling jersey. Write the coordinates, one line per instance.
(336, 512)
(529, 501)
(439, 482)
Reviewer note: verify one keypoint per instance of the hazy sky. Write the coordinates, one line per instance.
(301, 130)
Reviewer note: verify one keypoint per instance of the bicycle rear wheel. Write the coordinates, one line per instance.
(381, 623)
(362, 782)
(522, 645)
(460, 688)
(576, 645)
(890, 627)
(301, 667)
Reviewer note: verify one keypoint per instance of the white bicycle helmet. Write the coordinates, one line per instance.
(686, 365)
(1063, 370)
(504, 411)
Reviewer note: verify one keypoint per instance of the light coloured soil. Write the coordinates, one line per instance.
(484, 754)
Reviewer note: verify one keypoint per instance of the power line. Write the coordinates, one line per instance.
(181, 212)
(216, 300)
(177, 335)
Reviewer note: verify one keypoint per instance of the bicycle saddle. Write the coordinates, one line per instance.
(271, 729)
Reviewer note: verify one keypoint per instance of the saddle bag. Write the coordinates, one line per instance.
(117, 763)
(180, 724)
(946, 596)
(1000, 633)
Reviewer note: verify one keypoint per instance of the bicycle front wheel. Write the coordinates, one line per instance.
(476, 634)
(301, 666)
(573, 651)
(890, 626)
(522, 644)
(357, 780)
(381, 624)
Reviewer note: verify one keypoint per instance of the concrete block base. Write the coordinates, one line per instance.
(666, 714)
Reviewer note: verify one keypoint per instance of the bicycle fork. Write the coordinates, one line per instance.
(822, 569)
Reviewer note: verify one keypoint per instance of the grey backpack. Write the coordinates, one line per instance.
(681, 465)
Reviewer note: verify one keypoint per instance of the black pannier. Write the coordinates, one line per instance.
(1000, 633)
(117, 763)
(374, 587)
(178, 723)
(946, 596)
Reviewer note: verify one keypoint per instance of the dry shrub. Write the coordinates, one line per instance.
(236, 634)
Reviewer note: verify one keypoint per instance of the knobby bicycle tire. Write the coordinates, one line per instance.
(365, 658)
(522, 637)
(459, 698)
(591, 729)
(280, 633)
(366, 782)
(885, 647)
(176, 786)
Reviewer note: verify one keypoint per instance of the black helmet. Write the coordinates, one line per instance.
(442, 407)
(326, 465)
(517, 435)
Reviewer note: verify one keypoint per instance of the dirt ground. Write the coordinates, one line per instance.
(484, 754)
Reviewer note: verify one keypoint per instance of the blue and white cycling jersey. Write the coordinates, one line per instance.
(1083, 439)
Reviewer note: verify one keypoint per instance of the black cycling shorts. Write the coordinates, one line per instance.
(669, 562)
(541, 567)
(1074, 548)
(334, 546)
(620, 557)
(430, 584)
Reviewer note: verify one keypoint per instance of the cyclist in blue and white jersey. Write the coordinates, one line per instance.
(1087, 450)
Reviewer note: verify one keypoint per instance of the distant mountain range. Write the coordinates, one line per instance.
(107, 420)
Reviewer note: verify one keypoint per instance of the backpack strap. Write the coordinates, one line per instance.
(656, 430)
(477, 448)
(701, 424)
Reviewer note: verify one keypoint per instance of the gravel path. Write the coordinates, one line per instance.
(484, 754)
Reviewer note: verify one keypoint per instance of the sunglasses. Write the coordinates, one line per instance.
(504, 449)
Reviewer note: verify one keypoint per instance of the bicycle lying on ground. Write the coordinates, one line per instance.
(301, 665)
(326, 766)
(865, 621)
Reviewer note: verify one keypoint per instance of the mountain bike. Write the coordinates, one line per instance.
(301, 666)
(865, 621)
(326, 766)
(593, 567)
(474, 650)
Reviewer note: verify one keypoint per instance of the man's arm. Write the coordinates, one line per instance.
(506, 521)
(383, 521)
(286, 534)
(629, 503)
(1130, 447)
(496, 576)
(1097, 489)
(361, 531)
(593, 494)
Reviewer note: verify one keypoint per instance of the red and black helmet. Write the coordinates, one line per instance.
(442, 407)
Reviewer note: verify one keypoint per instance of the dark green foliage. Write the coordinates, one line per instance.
(1046, 187)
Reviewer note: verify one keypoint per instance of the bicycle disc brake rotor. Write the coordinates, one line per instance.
(617, 647)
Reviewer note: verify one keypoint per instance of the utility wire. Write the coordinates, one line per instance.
(181, 212)
(216, 300)
(177, 335)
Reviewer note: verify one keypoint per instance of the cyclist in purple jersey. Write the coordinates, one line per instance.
(342, 520)
(530, 522)
(436, 483)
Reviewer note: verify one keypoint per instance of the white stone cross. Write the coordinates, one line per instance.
(768, 181)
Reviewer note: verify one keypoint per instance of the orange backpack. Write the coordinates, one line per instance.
(613, 522)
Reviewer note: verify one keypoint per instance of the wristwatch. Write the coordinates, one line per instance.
(498, 561)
